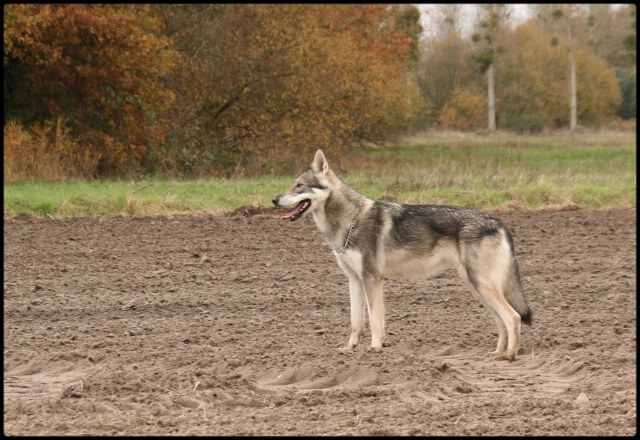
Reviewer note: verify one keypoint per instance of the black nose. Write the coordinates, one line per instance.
(275, 200)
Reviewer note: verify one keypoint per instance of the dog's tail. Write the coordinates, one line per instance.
(512, 287)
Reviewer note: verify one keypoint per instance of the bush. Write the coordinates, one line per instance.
(523, 124)
(45, 152)
(627, 82)
(464, 111)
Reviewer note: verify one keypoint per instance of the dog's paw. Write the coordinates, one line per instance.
(503, 355)
(374, 350)
(345, 350)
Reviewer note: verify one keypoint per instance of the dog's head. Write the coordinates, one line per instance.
(309, 191)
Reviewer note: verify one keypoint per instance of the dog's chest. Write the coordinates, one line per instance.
(350, 261)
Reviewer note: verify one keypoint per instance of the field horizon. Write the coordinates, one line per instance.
(505, 172)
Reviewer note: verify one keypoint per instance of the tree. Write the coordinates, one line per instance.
(446, 20)
(628, 87)
(563, 15)
(604, 29)
(97, 66)
(629, 40)
(572, 66)
(464, 111)
(535, 83)
(492, 18)
(445, 65)
(258, 85)
(597, 89)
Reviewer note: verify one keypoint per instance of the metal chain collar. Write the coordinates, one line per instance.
(343, 249)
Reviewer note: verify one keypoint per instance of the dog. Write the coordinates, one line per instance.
(373, 240)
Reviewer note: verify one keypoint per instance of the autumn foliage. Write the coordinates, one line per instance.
(258, 97)
(536, 84)
(465, 110)
(95, 65)
(532, 73)
(233, 89)
(210, 89)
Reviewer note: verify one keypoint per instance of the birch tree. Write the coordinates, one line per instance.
(573, 120)
(492, 18)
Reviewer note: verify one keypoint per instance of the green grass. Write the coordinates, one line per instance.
(592, 171)
(152, 196)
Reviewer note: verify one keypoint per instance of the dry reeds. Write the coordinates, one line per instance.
(45, 152)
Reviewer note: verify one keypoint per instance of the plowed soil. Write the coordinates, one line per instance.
(230, 325)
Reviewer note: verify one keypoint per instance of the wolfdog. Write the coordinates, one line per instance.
(373, 240)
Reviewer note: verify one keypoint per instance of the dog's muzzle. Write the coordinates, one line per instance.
(297, 211)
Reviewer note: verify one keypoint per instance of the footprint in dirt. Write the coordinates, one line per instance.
(305, 378)
(541, 373)
(38, 379)
(453, 374)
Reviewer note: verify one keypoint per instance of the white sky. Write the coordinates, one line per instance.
(520, 11)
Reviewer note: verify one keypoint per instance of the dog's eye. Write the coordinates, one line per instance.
(298, 185)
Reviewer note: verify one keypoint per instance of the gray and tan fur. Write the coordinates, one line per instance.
(373, 240)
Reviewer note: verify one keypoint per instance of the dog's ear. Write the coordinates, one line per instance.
(320, 164)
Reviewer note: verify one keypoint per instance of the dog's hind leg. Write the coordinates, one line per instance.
(512, 321)
(482, 265)
(507, 319)
(508, 322)
(503, 334)
(502, 329)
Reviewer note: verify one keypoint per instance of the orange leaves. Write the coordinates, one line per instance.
(465, 110)
(97, 63)
(537, 86)
(387, 32)
(249, 80)
(276, 80)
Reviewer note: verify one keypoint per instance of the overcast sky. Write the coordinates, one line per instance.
(521, 12)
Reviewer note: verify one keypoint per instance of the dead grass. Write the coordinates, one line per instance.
(44, 152)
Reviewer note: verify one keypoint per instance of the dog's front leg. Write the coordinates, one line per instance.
(375, 304)
(356, 293)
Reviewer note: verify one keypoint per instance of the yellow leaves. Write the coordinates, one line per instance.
(99, 63)
(45, 151)
(465, 110)
(312, 76)
(539, 89)
(249, 79)
(598, 91)
(531, 87)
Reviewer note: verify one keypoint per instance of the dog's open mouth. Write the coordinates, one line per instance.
(298, 211)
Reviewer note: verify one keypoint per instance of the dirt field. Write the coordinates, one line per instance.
(205, 325)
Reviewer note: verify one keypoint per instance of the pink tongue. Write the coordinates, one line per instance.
(294, 212)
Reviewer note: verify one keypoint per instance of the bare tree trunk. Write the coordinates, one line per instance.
(492, 18)
(572, 64)
(491, 99)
